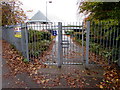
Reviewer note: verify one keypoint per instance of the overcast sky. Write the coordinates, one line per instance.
(64, 10)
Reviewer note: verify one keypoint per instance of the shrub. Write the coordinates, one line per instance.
(38, 41)
(37, 48)
(112, 54)
(25, 60)
(78, 36)
(71, 32)
(37, 36)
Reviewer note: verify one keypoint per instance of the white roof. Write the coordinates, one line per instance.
(39, 16)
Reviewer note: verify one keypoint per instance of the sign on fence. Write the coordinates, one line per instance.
(54, 33)
(17, 32)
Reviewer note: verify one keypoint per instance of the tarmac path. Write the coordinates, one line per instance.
(72, 53)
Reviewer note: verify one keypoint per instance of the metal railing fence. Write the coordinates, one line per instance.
(99, 41)
(8, 34)
(40, 38)
(105, 41)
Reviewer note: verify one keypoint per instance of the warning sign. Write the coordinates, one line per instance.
(17, 32)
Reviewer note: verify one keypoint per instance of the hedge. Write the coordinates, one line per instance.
(37, 36)
(38, 41)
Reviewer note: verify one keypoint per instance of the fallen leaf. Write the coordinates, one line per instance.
(101, 86)
(38, 81)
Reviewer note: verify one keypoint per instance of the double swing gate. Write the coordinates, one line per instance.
(69, 43)
(54, 43)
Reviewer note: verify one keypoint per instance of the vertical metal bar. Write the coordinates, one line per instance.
(63, 38)
(66, 39)
(34, 41)
(30, 40)
(113, 46)
(117, 29)
(118, 44)
(26, 37)
(97, 40)
(54, 42)
(13, 39)
(109, 58)
(73, 41)
(87, 43)
(23, 40)
(77, 49)
(59, 44)
(110, 42)
(37, 27)
(101, 38)
(39, 46)
(82, 42)
(119, 57)
(53, 48)
(71, 44)
(107, 40)
(55, 28)
(95, 36)
(100, 32)
(69, 40)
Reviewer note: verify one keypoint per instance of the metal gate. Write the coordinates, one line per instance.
(56, 43)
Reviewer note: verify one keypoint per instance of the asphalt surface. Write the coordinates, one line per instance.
(24, 81)
(72, 53)
(93, 77)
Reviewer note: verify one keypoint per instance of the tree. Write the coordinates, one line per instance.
(101, 10)
(12, 13)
